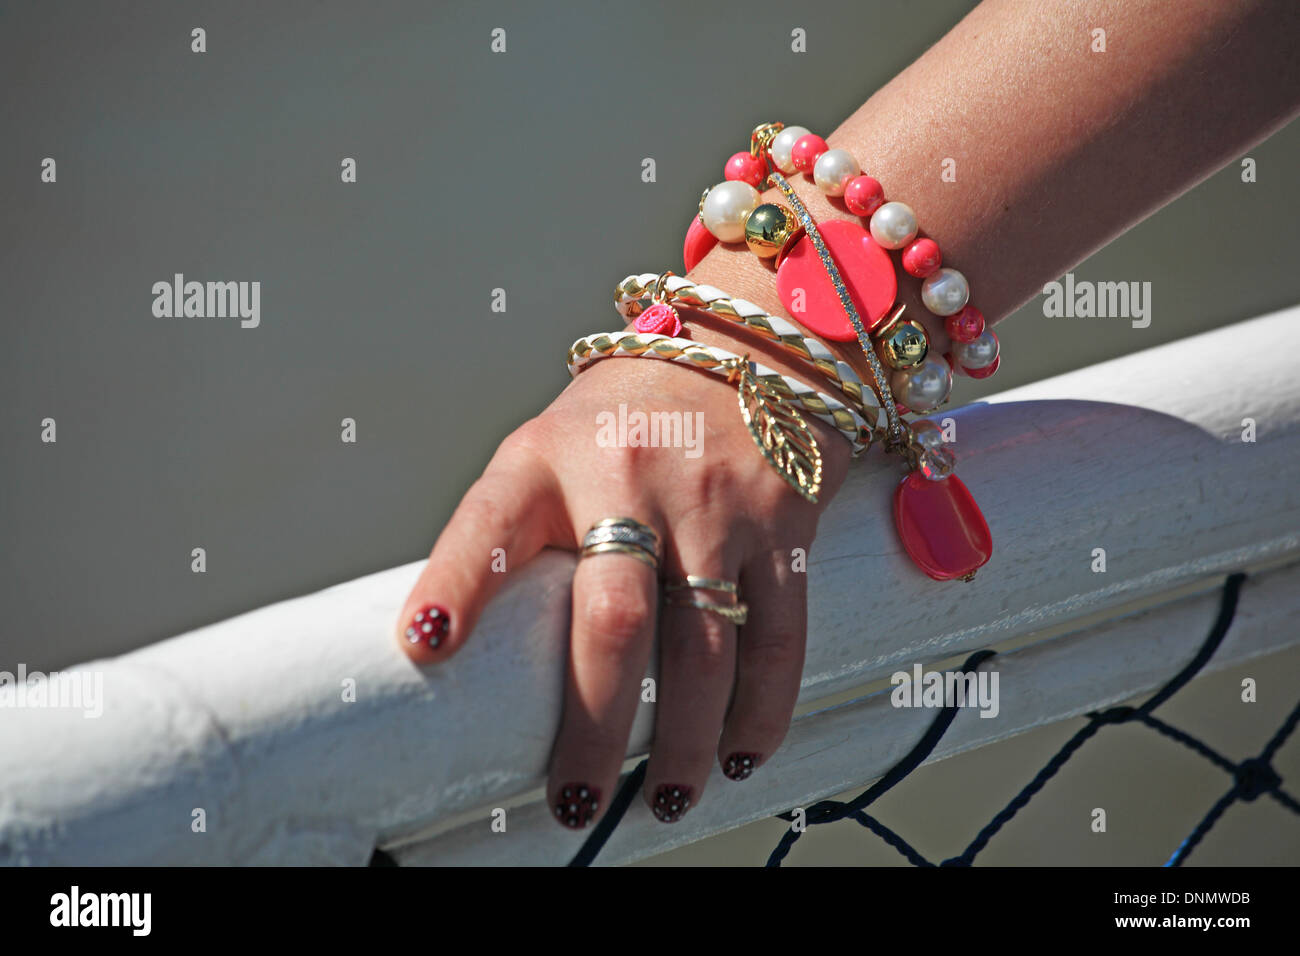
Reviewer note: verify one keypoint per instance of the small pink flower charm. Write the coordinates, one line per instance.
(659, 319)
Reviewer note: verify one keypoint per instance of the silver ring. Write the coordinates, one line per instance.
(623, 534)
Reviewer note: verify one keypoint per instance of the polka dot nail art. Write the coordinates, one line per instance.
(739, 765)
(670, 803)
(576, 805)
(429, 626)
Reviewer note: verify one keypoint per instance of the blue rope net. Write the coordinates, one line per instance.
(1252, 778)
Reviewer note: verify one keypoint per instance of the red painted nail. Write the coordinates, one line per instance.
(576, 805)
(670, 803)
(740, 765)
(429, 626)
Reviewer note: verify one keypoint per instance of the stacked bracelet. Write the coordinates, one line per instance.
(837, 278)
(843, 418)
(631, 294)
(769, 402)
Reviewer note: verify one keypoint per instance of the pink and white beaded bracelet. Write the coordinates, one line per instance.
(725, 211)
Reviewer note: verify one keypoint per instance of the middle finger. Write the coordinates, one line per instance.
(614, 605)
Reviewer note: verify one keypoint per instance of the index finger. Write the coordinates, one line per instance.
(512, 507)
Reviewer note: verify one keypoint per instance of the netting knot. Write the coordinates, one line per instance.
(1114, 715)
(1256, 777)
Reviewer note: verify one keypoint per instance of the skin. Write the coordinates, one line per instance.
(1058, 150)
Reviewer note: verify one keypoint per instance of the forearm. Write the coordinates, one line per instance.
(1057, 149)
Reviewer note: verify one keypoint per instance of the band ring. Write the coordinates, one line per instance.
(694, 582)
(618, 547)
(622, 536)
(736, 613)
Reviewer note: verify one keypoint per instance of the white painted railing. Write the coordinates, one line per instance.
(252, 721)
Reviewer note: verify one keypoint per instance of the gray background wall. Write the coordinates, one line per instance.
(475, 171)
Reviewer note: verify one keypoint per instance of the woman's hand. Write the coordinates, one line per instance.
(721, 695)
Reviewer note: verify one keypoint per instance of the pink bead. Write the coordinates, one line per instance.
(659, 319)
(922, 258)
(966, 326)
(806, 151)
(984, 372)
(863, 195)
(746, 168)
(698, 243)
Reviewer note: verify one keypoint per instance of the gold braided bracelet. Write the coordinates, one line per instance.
(769, 402)
(631, 294)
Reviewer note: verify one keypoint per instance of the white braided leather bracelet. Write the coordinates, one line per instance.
(843, 418)
(631, 293)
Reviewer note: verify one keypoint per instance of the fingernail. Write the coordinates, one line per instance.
(740, 765)
(671, 802)
(429, 626)
(576, 805)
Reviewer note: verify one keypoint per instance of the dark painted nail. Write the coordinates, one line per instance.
(576, 804)
(670, 803)
(429, 626)
(739, 766)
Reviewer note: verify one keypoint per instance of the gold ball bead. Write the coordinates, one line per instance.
(768, 228)
(903, 344)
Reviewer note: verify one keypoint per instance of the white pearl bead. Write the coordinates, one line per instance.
(833, 170)
(924, 388)
(726, 208)
(978, 354)
(893, 225)
(783, 143)
(945, 292)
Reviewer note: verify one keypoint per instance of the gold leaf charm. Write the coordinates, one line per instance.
(780, 432)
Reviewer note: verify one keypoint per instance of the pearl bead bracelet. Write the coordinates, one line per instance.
(733, 211)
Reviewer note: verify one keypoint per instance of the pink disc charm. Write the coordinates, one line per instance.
(941, 526)
(807, 291)
(659, 319)
(698, 243)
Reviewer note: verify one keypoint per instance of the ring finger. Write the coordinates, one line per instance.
(697, 658)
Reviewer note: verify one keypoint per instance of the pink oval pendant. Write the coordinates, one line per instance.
(866, 269)
(941, 526)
